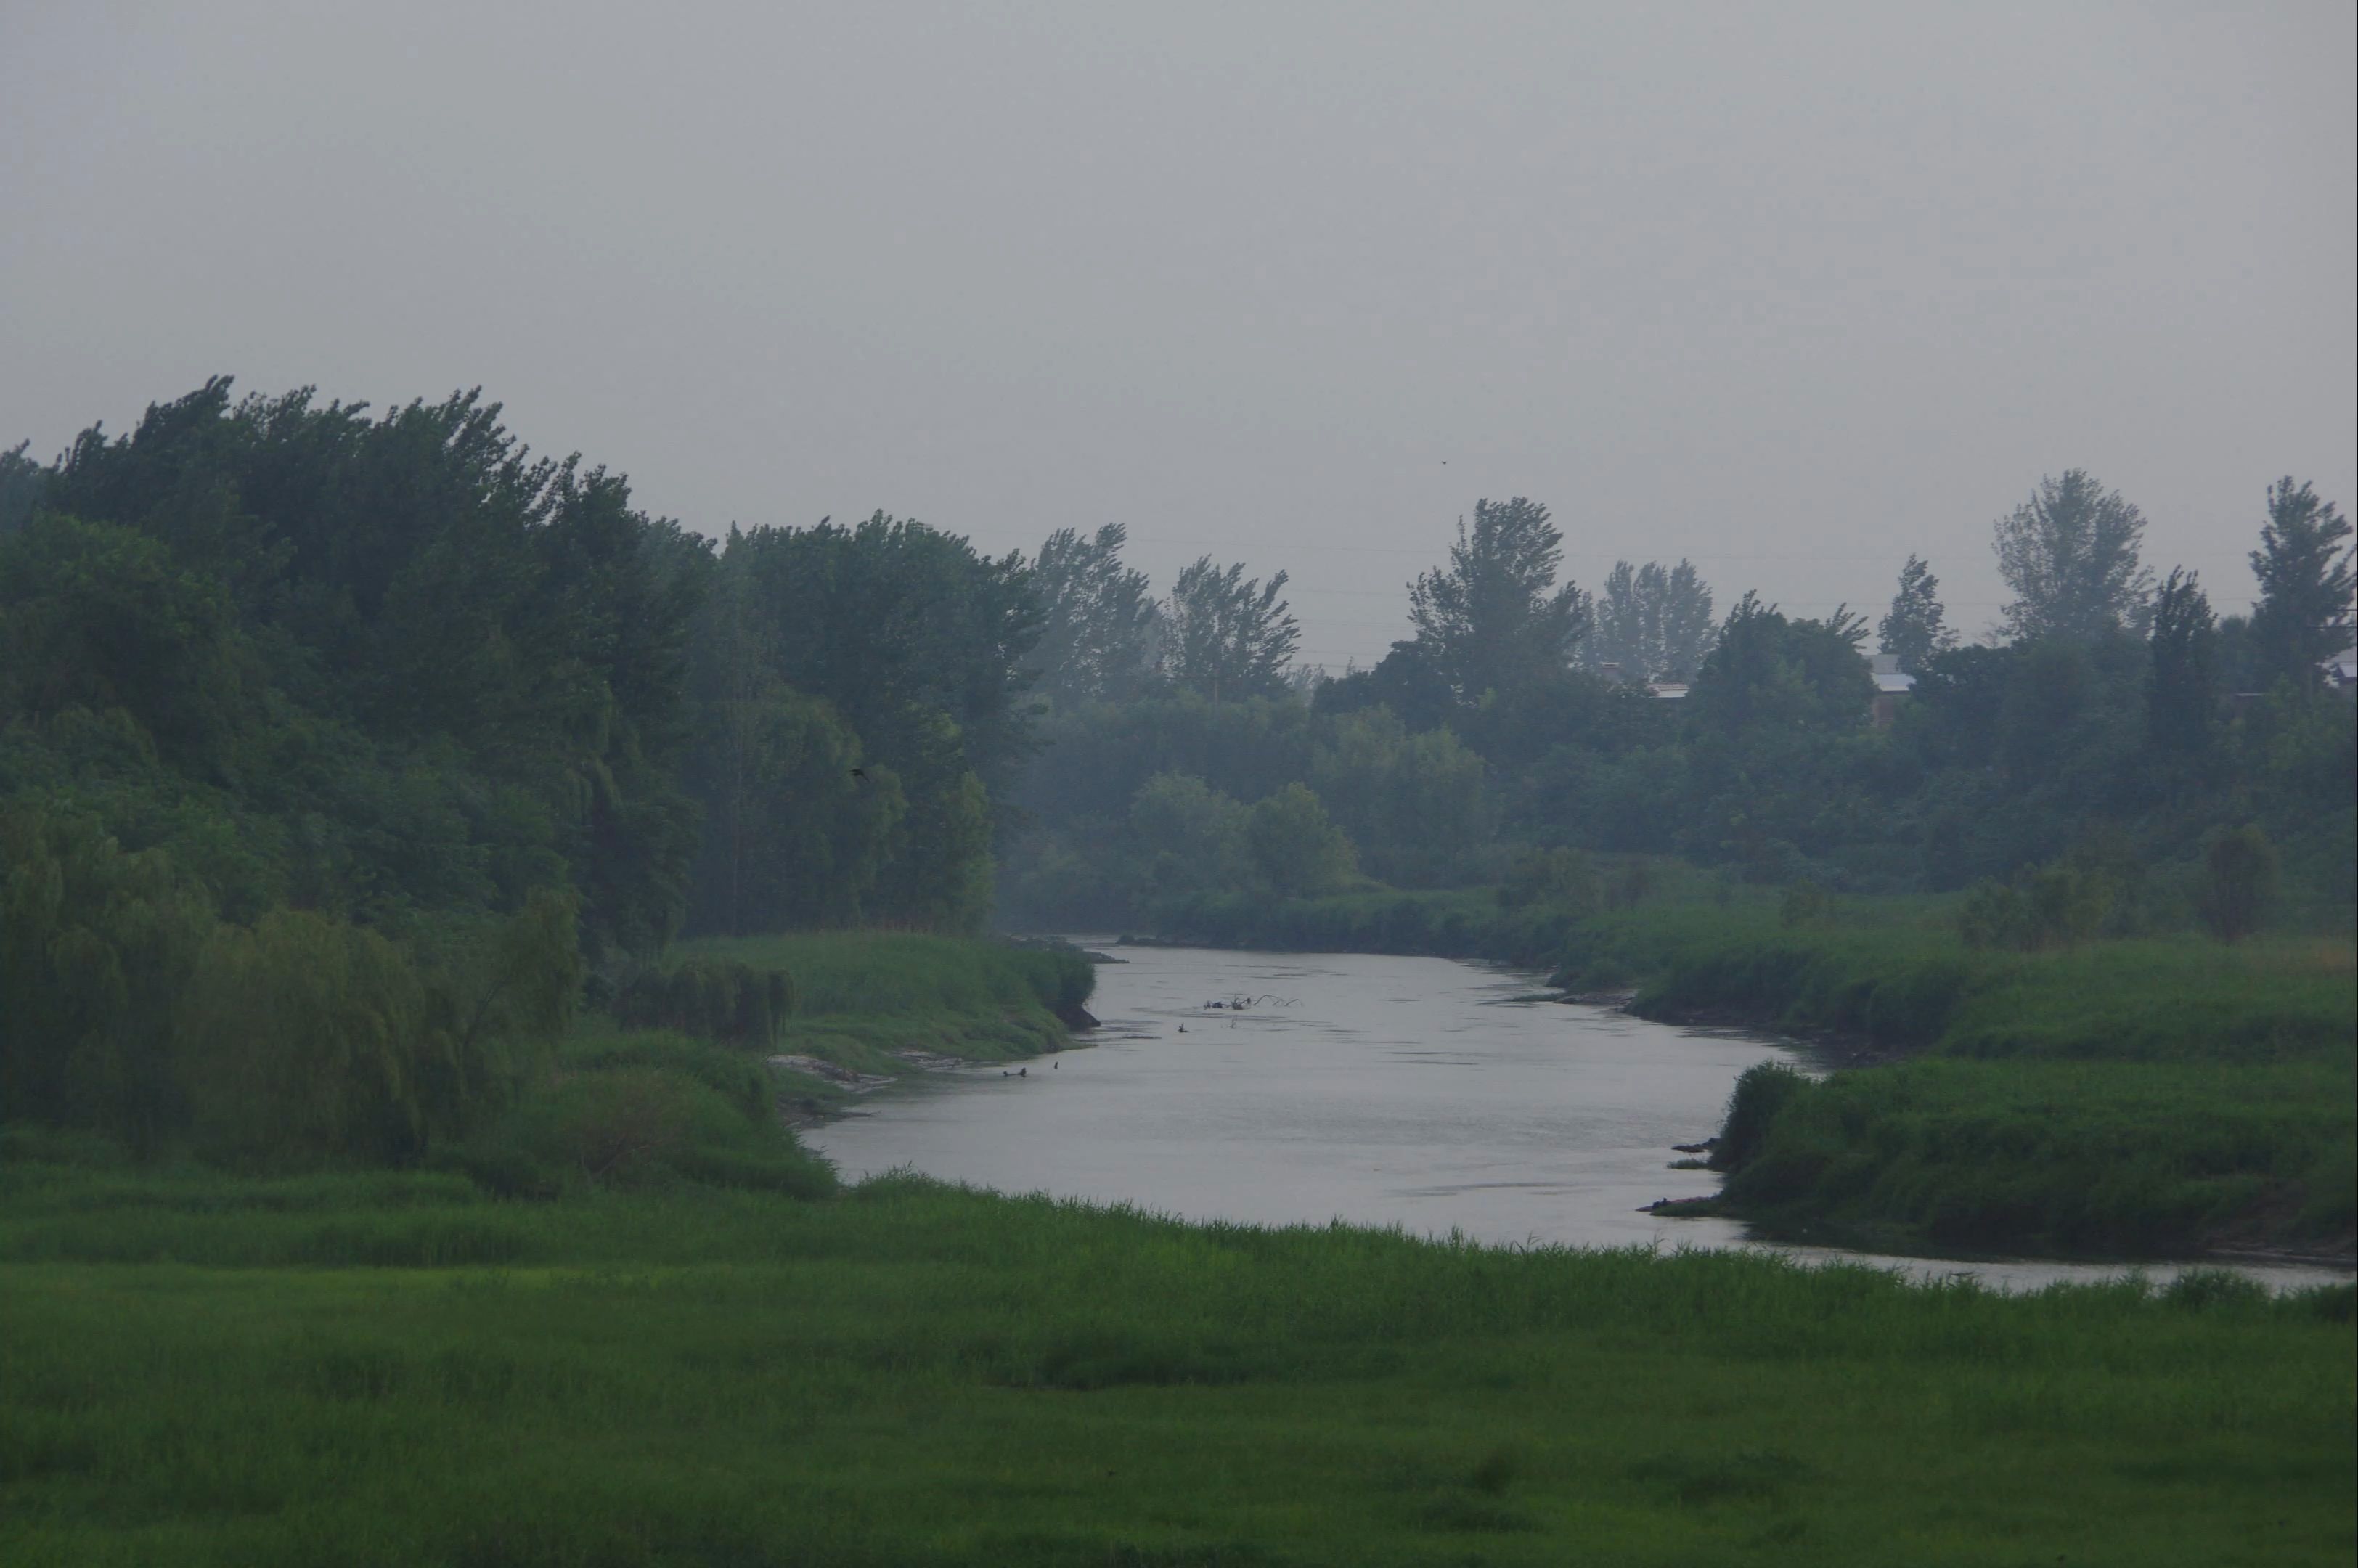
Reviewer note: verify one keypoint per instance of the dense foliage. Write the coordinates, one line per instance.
(339, 749)
(2116, 720)
(858, 694)
(342, 752)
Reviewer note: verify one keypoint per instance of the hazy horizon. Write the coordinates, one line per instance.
(1788, 293)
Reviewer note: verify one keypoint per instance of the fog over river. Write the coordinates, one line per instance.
(1420, 1092)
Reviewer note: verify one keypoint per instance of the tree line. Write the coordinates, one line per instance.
(342, 752)
(386, 727)
(2110, 715)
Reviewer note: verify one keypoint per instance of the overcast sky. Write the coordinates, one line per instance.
(1788, 289)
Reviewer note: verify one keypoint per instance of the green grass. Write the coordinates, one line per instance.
(201, 1371)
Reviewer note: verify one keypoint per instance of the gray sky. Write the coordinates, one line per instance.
(1788, 289)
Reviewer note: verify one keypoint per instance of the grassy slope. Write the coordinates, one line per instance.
(647, 1107)
(2151, 1096)
(2147, 1097)
(865, 995)
(387, 1369)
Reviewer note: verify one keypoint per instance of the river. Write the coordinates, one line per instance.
(1423, 1092)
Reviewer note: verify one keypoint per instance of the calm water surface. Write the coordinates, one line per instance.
(1418, 1092)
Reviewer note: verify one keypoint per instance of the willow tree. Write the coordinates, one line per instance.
(1916, 626)
(2303, 564)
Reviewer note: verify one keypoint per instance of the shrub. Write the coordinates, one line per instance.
(96, 946)
(1631, 885)
(713, 998)
(1765, 1089)
(637, 1126)
(1296, 847)
(2060, 905)
(2239, 876)
(1559, 878)
(306, 1038)
(1805, 902)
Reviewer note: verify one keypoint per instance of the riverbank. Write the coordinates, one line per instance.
(382, 1369)
(634, 1105)
(876, 1007)
(2149, 1097)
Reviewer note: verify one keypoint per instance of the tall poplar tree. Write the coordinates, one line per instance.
(2070, 554)
(1230, 636)
(1653, 621)
(1915, 629)
(2304, 615)
(2182, 683)
(1097, 641)
(1494, 618)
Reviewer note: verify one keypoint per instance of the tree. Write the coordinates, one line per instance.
(1416, 806)
(21, 482)
(893, 622)
(799, 824)
(102, 617)
(1493, 617)
(1295, 849)
(1914, 630)
(1229, 636)
(2070, 554)
(1100, 625)
(2239, 873)
(1655, 624)
(466, 661)
(1190, 836)
(915, 646)
(2303, 617)
(2182, 684)
(1402, 680)
(1769, 671)
(1561, 878)
(97, 947)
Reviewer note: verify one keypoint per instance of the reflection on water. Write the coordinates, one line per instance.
(1435, 1096)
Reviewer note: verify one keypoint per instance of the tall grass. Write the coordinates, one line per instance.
(914, 1373)
(2149, 1097)
(890, 974)
(1448, 924)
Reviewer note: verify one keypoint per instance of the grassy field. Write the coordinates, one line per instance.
(395, 1369)
(2151, 1097)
